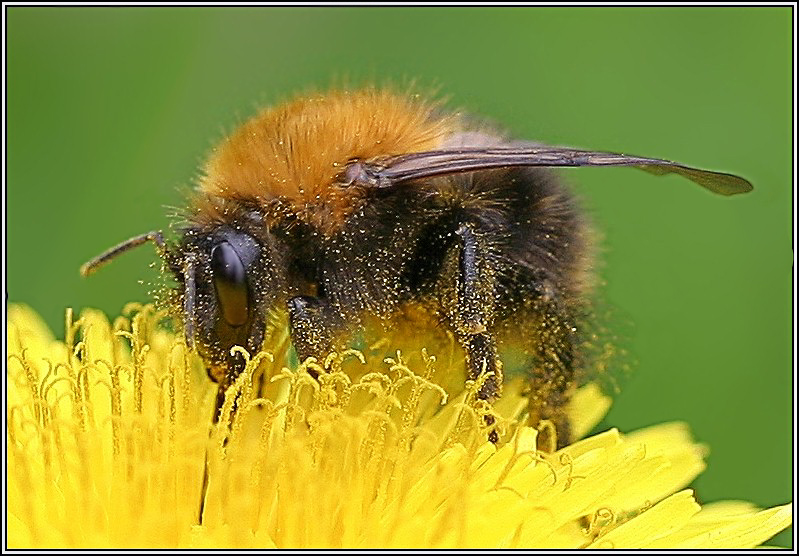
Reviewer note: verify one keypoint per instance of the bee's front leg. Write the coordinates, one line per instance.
(313, 321)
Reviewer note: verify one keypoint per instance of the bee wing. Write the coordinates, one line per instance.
(391, 171)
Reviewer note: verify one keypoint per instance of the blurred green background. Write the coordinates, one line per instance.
(110, 111)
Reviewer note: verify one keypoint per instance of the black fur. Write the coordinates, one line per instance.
(496, 254)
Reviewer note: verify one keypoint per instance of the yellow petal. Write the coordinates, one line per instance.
(718, 529)
(109, 434)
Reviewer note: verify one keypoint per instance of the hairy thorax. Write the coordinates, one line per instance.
(294, 153)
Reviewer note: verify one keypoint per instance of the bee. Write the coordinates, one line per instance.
(353, 203)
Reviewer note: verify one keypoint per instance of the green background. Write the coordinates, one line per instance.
(110, 111)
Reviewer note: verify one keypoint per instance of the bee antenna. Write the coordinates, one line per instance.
(107, 256)
(189, 295)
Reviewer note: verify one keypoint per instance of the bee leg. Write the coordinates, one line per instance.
(473, 316)
(553, 377)
(312, 321)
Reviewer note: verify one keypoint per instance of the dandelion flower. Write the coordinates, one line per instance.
(109, 434)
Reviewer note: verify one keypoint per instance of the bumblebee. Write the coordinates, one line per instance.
(341, 205)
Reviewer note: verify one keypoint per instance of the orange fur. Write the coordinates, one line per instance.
(295, 151)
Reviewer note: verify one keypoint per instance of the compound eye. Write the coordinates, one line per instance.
(230, 282)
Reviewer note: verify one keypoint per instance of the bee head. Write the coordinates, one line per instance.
(228, 281)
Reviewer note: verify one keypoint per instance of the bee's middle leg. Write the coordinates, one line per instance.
(473, 314)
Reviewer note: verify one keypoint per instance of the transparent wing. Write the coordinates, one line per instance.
(394, 170)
